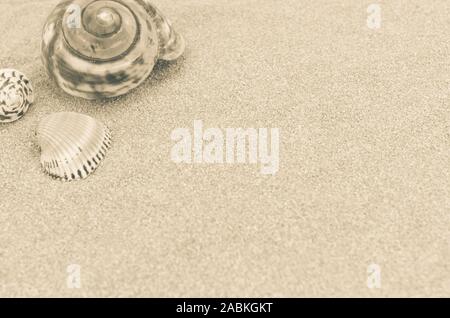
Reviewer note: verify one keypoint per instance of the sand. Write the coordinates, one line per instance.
(364, 173)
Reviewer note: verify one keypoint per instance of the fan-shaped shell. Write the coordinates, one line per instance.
(105, 48)
(16, 95)
(72, 145)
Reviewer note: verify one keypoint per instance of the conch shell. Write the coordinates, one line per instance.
(72, 145)
(16, 95)
(105, 48)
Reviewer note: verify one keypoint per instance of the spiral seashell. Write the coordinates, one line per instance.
(105, 48)
(72, 145)
(16, 95)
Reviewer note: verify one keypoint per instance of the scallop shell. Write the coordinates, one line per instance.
(16, 95)
(72, 145)
(105, 48)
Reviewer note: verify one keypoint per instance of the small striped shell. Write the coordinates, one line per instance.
(72, 145)
(104, 48)
(16, 95)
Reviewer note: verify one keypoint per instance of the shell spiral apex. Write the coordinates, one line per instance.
(72, 145)
(105, 48)
(16, 95)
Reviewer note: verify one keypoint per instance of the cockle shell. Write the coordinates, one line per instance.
(72, 145)
(105, 48)
(16, 95)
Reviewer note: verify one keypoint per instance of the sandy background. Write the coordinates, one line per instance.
(364, 165)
